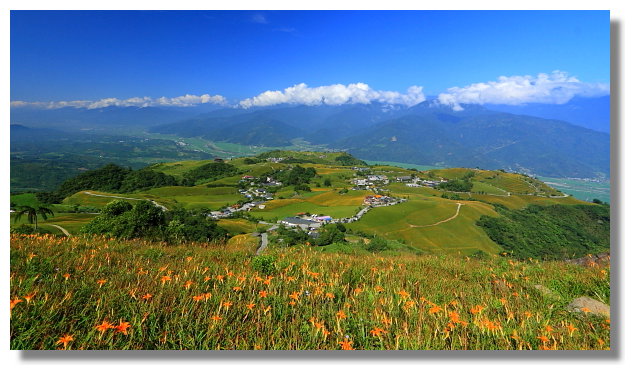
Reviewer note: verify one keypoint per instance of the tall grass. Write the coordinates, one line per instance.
(113, 294)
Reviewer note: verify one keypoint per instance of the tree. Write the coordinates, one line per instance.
(32, 213)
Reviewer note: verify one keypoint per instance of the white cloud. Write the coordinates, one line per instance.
(334, 95)
(179, 101)
(555, 88)
(259, 18)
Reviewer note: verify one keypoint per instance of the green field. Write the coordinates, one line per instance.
(402, 165)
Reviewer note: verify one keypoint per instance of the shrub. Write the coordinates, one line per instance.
(265, 264)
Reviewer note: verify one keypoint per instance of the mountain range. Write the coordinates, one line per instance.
(536, 139)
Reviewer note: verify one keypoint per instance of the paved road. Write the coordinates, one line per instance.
(133, 199)
(60, 228)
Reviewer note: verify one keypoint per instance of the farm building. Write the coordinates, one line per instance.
(300, 223)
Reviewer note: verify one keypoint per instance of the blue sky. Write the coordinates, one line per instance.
(91, 55)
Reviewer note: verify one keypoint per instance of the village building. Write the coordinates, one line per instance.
(296, 222)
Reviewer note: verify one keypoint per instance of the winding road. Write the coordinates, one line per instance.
(60, 228)
(134, 199)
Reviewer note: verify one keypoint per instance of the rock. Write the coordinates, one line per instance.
(592, 260)
(590, 306)
(547, 292)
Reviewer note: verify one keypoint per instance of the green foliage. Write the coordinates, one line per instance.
(265, 264)
(291, 237)
(112, 178)
(550, 232)
(294, 176)
(145, 179)
(456, 185)
(209, 172)
(49, 197)
(145, 220)
(348, 159)
(330, 234)
(377, 244)
(327, 182)
(32, 213)
(107, 178)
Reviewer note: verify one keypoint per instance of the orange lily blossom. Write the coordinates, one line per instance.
(188, 284)
(263, 293)
(237, 288)
(346, 344)
(123, 327)
(146, 296)
(64, 340)
(165, 278)
(216, 318)
(376, 332)
(330, 295)
(294, 295)
(104, 326)
(66, 276)
(454, 317)
(250, 306)
(227, 304)
(29, 296)
(543, 338)
(198, 298)
(340, 315)
(101, 282)
(15, 302)
(434, 309)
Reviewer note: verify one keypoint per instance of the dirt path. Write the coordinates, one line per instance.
(458, 209)
(60, 228)
(263, 243)
(134, 199)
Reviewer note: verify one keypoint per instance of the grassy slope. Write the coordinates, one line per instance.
(408, 300)
(423, 208)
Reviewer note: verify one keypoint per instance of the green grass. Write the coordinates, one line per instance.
(25, 199)
(402, 165)
(70, 221)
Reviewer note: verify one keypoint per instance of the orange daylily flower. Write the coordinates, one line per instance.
(434, 309)
(216, 318)
(165, 278)
(585, 309)
(188, 284)
(29, 297)
(341, 315)
(571, 328)
(66, 276)
(207, 296)
(403, 294)
(198, 298)
(207, 278)
(227, 304)
(262, 293)
(543, 338)
(454, 317)
(101, 282)
(65, 340)
(250, 306)
(237, 288)
(376, 332)
(146, 296)
(15, 302)
(346, 345)
(220, 278)
(379, 289)
(104, 326)
(294, 295)
(330, 295)
(123, 327)
(476, 309)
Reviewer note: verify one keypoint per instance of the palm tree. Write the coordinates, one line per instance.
(32, 213)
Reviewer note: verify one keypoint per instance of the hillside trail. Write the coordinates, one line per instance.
(458, 209)
(134, 199)
(60, 228)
